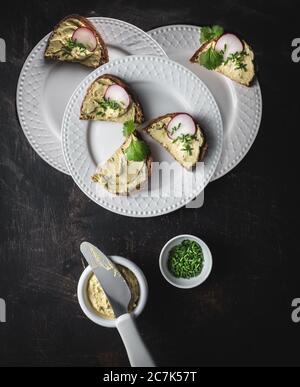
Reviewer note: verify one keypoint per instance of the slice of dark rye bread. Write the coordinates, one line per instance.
(239, 76)
(138, 114)
(101, 49)
(200, 134)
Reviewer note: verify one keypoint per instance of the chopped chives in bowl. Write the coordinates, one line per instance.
(186, 259)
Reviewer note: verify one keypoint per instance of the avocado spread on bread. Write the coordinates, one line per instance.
(96, 106)
(186, 149)
(225, 53)
(65, 46)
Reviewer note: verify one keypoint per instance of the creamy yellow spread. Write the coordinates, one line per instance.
(93, 109)
(99, 301)
(229, 69)
(158, 131)
(119, 175)
(59, 40)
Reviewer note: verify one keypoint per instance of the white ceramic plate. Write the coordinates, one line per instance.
(44, 88)
(240, 106)
(162, 86)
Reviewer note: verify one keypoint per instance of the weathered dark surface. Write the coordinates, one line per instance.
(241, 315)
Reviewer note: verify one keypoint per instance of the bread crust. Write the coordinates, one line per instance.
(193, 59)
(104, 52)
(139, 114)
(203, 148)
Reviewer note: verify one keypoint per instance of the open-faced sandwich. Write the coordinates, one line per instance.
(129, 168)
(181, 136)
(75, 39)
(110, 99)
(225, 53)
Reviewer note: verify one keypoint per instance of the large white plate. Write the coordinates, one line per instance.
(240, 106)
(44, 88)
(163, 86)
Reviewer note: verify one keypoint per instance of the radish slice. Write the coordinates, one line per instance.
(182, 123)
(86, 37)
(230, 44)
(118, 94)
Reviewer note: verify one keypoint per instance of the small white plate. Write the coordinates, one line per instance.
(182, 282)
(45, 87)
(162, 86)
(240, 106)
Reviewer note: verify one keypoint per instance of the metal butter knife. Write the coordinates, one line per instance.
(119, 295)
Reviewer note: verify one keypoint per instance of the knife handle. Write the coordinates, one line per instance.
(136, 350)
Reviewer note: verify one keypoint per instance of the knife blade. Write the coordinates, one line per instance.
(112, 282)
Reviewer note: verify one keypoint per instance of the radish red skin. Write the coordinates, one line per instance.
(86, 37)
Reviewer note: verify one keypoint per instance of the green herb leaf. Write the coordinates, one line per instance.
(209, 33)
(211, 59)
(128, 128)
(138, 150)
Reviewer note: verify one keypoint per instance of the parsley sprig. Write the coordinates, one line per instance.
(208, 33)
(137, 150)
(128, 128)
(211, 59)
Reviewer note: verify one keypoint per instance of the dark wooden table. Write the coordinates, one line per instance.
(242, 314)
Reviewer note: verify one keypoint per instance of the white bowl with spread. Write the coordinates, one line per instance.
(85, 304)
(184, 283)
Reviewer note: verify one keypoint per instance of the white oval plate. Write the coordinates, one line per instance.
(45, 87)
(240, 106)
(162, 86)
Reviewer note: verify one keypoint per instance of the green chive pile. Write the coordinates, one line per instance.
(186, 260)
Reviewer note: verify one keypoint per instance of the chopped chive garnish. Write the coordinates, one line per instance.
(186, 260)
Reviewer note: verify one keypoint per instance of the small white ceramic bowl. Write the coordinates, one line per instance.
(182, 282)
(83, 298)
